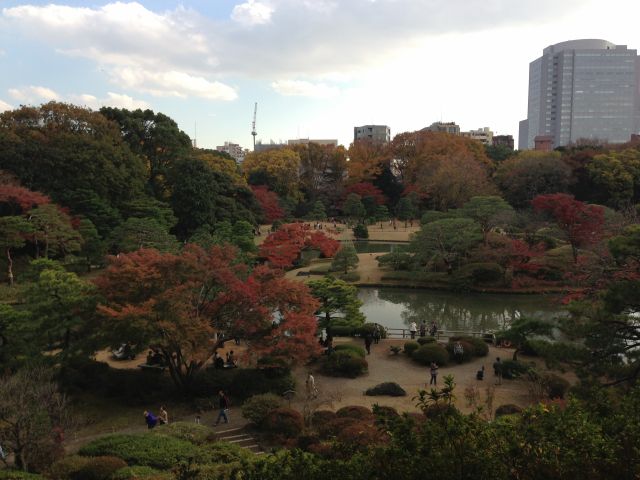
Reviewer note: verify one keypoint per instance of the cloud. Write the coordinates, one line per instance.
(303, 88)
(117, 100)
(33, 94)
(4, 106)
(252, 13)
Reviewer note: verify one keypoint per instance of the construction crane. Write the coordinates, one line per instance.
(253, 125)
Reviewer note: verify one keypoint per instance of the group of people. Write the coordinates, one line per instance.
(372, 337)
(154, 420)
(219, 362)
(162, 418)
(413, 329)
(154, 357)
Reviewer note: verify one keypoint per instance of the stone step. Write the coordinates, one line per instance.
(241, 440)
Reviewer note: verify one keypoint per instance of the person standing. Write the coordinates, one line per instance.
(367, 343)
(497, 370)
(163, 417)
(423, 328)
(377, 333)
(312, 391)
(433, 330)
(223, 405)
(434, 374)
(413, 328)
(458, 351)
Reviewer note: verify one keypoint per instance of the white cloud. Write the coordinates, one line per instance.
(252, 13)
(117, 100)
(5, 106)
(303, 88)
(33, 94)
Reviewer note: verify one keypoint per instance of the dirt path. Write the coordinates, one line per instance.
(386, 367)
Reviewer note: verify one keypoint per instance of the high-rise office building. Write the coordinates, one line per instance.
(372, 133)
(583, 89)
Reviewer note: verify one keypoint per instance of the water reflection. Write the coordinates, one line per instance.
(396, 308)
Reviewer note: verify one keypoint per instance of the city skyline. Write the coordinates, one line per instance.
(405, 64)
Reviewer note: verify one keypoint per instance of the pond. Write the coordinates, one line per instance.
(471, 312)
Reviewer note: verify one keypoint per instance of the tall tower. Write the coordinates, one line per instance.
(583, 89)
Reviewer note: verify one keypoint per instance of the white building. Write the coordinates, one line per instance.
(233, 149)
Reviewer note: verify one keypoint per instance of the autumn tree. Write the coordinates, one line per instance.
(269, 202)
(283, 247)
(339, 303)
(366, 160)
(179, 303)
(221, 162)
(488, 212)
(366, 189)
(581, 223)
(278, 169)
(322, 171)
(346, 258)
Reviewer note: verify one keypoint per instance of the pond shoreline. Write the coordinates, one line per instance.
(490, 291)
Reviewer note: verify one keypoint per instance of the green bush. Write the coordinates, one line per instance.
(241, 383)
(360, 231)
(368, 328)
(191, 432)
(410, 347)
(431, 352)
(481, 272)
(508, 409)
(467, 350)
(425, 340)
(140, 473)
(555, 385)
(157, 451)
(513, 369)
(391, 389)
(355, 411)
(99, 468)
(257, 408)
(344, 364)
(479, 346)
(18, 475)
(349, 276)
(396, 260)
(223, 452)
(67, 467)
(353, 349)
(284, 421)
(343, 331)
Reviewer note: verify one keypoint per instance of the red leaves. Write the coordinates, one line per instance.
(21, 197)
(366, 189)
(283, 247)
(269, 202)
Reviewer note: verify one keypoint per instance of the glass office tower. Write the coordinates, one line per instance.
(583, 89)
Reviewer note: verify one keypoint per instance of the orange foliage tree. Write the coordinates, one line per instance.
(178, 303)
(283, 247)
(268, 201)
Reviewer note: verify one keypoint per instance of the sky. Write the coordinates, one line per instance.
(316, 68)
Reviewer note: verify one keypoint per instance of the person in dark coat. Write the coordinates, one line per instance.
(368, 340)
(223, 404)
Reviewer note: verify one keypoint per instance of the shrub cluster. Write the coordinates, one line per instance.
(352, 349)
(410, 347)
(425, 340)
(285, 422)
(467, 351)
(355, 411)
(391, 389)
(344, 364)
(508, 409)
(480, 348)
(241, 383)
(431, 352)
(140, 473)
(514, 369)
(257, 408)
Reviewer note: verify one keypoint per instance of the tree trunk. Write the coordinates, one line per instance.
(574, 251)
(9, 267)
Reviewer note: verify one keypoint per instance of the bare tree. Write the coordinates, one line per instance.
(33, 416)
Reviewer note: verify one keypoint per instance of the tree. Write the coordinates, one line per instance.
(179, 303)
(366, 161)
(13, 233)
(488, 212)
(52, 227)
(283, 247)
(33, 415)
(616, 177)
(353, 207)
(93, 247)
(366, 189)
(322, 171)
(269, 203)
(150, 208)
(16, 200)
(382, 213)
(339, 303)
(581, 223)
(406, 210)
(346, 258)
(446, 240)
(318, 212)
(221, 162)
(523, 329)
(523, 177)
(138, 233)
(278, 169)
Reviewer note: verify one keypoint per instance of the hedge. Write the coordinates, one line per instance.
(425, 340)
(390, 389)
(355, 411)
(431, 352)
(284, 421)
(410, 347)
(157, 451)
(508, 409)
(18, 475)
(190, 432)
(99, 468)
(140, 473)
(344, 364)
(242, 383)
(480, 347)
(358, 351)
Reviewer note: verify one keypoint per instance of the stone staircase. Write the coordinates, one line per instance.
(240, 437)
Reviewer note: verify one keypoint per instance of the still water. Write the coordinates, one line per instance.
(398, 307)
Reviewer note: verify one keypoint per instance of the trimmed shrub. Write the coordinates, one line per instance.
(140, 473)
(257, 408)
(344, 364)
(361, 231)
(157, 451)
(349, 276)
(425, 340)
(391, 389)
(354, 349)
(370, 327)
(284, 421)
(306, 441)
(481, 272)
(467, 351)
(223, 452)
(67, 467)
(355, 411)
(99, 468)
(360, 434)
(335, 426)
(507, 409)
(431, 352)
(556, 386)
(192, 433)
(410, 347)
(384, 411)
(513, 369)
(322, 416)
(479, 346)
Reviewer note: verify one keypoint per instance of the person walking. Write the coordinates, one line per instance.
(434, 374)
(433, 330)
(458, 351)
(223, 405)
(413, 328)
(312, 391)
(367, 343)
(377, 333)
(497, 370)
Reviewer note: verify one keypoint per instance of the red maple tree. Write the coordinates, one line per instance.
(581, 223)
(188, 305)
(366, 189)
(283, 247)
(269, 203)
(20, 200)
